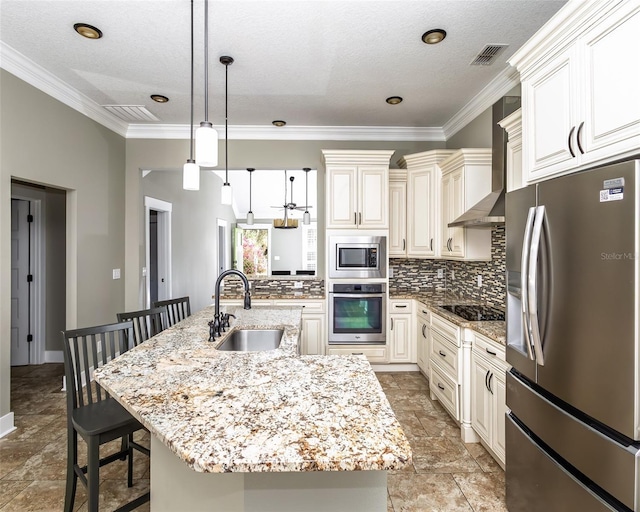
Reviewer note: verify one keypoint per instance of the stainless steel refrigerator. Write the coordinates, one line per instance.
(573, 330)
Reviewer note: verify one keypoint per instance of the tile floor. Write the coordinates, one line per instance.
(446, 475)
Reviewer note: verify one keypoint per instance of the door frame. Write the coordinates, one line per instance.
(38, 267)
(222, 223)
(164, 244)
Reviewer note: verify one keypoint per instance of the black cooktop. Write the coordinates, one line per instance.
(475, 313)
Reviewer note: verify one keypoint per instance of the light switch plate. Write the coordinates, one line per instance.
(297, 284)
(116, 273)
(479, 280)
(440, 273)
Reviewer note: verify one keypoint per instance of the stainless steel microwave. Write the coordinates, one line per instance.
(357, 256)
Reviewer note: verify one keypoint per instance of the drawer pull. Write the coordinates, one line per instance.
(440, 386)
(357, 353)
(400, 306)
(442, 353)
(425, 311)
(490, 352)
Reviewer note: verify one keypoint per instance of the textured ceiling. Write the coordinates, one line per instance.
(311, 63)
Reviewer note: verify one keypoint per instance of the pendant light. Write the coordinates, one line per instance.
(250, 213)
(306, 217)
(206, 136)
(191, 171)
(226, 192)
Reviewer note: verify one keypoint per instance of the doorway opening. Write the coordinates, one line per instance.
(251, 250)
(38, 273)
(157, 271)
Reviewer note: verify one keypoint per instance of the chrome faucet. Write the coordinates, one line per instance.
(219, 322)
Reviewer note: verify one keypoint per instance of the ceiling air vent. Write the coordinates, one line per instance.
(488, 54)
(131, 112)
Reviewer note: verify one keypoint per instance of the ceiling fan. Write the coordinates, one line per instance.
(290, 205)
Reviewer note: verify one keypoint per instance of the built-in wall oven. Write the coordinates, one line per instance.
(357, 257)
(357, 313)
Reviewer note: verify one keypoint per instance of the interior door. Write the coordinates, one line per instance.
(20, 314)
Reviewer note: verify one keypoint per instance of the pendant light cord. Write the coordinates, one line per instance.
(206, 61)
(226, 118)
(250, 173)
(191, 126)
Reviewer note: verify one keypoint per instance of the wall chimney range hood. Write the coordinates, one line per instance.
(489, 211)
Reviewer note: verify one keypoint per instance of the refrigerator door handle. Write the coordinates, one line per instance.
(524, 266)
(534, 325)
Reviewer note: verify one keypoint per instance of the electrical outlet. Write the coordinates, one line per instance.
(297, 284)
(116, 273)
(479, 280)
(440, 273)
(453, 275)
(390, 271)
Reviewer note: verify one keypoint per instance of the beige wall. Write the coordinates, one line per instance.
(145, 154)
(193, 232)
(46, 142)
(477, 134)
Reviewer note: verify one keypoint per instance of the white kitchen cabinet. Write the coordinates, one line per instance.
(397, 243)
(488, 394)
(512, 124)
(401, 340)
(423, 202)
(357, 189)
(466, 179)
(579, 89)
(423, 336)
(313, 337)
(374, 354)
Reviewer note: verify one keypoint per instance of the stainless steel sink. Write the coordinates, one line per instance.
(252, 340)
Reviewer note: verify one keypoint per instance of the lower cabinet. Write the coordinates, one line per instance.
(401, 340)
(377, 354)
(313, 336)
(423, 337)
(314, 325)
(488, 394)
(445, 365)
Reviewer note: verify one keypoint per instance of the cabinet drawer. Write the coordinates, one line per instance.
(400, 306)
(308, 306)
(446, 328)
(444, 354)
(445, 390)
(373, 354)
(488, 349)
(423, 312)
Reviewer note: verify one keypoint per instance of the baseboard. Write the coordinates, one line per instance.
(6, 424)
(53, 356)
(398, 367)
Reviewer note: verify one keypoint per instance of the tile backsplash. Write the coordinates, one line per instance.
(457, 277)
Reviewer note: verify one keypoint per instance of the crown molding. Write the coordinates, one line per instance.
(496, 89)
(257, 132)
(28, 71)
(25, 69)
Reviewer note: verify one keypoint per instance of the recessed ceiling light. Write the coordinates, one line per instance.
(278, 122)
(159, 98)
(394, 100)
(88, 31)
(434, 36)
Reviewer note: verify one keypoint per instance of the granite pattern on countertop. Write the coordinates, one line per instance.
(270, 296)
(257, 411)
(494, 330)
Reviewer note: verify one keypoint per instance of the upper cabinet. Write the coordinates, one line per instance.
(357, 189)
(580, 78)
(512, 124)
(423, 205)
(466, 179)
(397, 243)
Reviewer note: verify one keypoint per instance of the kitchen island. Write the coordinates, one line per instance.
(257, 431)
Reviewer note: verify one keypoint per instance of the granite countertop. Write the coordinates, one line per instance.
(257, 411)
(494, 330)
